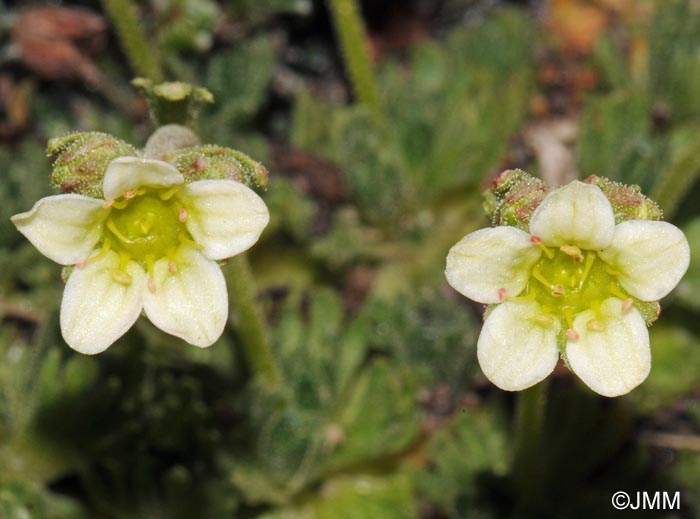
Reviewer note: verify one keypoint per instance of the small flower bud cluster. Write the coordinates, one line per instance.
(217, 163)
(513, 198)
(81, 159)
(627, 202)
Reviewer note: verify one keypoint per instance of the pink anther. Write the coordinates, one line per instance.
(626, 305)
(182, 216)
(152, 285)
(573, 334)
(535, 239)
(108, 203)
(501, 294)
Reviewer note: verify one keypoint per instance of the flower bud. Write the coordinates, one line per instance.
(81, 159)
(513, 197)
(217, 162)
(173, 102)
(169, 139)
(627, 202)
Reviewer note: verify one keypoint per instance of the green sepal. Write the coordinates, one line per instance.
(216, 162)
(650, 310)
(81, 159)
(627, 201)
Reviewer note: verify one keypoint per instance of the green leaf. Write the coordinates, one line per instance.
(26, 500)
(356, 497)
(688, 290)
(675, 367)
(290, 209)
(473, 444)
(238, 78)
(380, 418)
(680, 170)
(674, 67)
(613, 138)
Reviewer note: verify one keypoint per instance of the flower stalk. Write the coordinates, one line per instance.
(140, 54)
(250, 324)
(353, 43)
(529, 425)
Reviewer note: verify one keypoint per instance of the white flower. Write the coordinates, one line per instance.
(150, 246)
(568, 288)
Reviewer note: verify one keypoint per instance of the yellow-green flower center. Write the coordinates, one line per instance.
(146, 227)
(568, 281)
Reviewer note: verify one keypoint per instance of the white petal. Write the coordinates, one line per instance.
(97, 310)
(576, 214)
(617, 359)
(651, 257)
(490, 263)
(190, 303)
(127, 173)
(514, 350)
(224, 216)
(65, 228)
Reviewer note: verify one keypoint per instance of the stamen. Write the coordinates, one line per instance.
(595, 325)
(626, 305)
(186, 241)
(538, 241)
(614, 290)
(501, 294)
(116, 232)
(182, 216)
(172, 268)
(123, 277)
(590, 259)
(573, 334)
(150, 265)
(167, 195)
(539, 277)
(108, 203)
(569, 316)
(544, 320)
(124, 260)
(611, 270)
(532, 296)
(129, 194)
(573, 251)
(558, 290)
(103, 250)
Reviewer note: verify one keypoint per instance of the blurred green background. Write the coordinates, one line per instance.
(384, 413)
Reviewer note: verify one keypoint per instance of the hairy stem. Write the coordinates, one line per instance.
(250, 323)
(141, 55)
(527, 466)
(353, 43)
